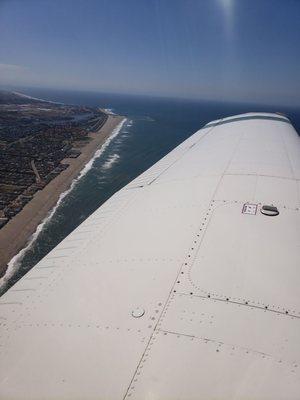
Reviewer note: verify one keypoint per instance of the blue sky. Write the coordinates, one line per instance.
(241, 50)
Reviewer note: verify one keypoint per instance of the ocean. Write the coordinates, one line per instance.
(153, 127)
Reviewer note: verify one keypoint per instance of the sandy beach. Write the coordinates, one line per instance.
(16, 233)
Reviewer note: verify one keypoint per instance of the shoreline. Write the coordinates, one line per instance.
(16, 234)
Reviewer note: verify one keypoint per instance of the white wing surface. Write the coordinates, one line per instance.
(178, 287)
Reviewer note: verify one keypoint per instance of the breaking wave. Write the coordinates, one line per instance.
(111, 160)
(14, 263)
(109, 111)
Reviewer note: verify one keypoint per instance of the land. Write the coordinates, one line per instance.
(43, 147)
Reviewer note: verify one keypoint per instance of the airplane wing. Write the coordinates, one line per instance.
(183, 285)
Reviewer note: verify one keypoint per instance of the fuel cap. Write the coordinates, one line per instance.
(137, 312)
(270, 211)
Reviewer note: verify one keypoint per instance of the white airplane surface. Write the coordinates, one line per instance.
(184, 285)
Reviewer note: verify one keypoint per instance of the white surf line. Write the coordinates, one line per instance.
(35, 98)
(16, 260)
(109, 111)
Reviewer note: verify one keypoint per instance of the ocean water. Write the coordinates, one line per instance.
(153, 127)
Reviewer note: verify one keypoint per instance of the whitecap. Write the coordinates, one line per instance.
(111, 160)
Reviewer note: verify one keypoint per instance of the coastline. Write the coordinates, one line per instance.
(16, 233)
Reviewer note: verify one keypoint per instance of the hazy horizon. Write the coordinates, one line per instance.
(215, 50)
